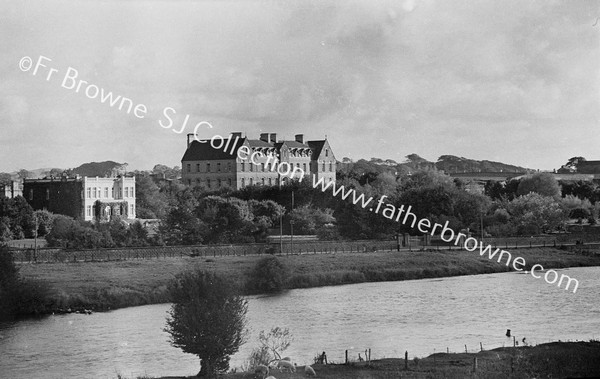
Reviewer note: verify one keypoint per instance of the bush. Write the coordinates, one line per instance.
(207, 318)
(268, 275)
(19, 297)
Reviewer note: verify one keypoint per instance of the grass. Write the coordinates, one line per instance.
(551, 360)
(117, 284)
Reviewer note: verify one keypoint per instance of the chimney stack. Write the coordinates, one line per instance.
(264, 137)
(300, 138)
(273, 137)
(236, 134)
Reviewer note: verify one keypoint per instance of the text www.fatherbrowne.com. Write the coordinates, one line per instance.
(424, 225)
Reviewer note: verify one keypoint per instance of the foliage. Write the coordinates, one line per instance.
(19, 216)
(151, 202)
(19, 297)
(276, 341)
(543, 183)
(269, 275)
(75, 234)
(44, 221)
(207, 318)
(534, 214)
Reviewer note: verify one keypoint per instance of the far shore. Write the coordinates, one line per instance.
(101, 286)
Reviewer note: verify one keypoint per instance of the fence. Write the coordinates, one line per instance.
(51, 255)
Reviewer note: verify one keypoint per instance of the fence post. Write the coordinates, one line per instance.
(481, 346)
(406, 360)
(475, 364)
(346, 356)
(466, 352)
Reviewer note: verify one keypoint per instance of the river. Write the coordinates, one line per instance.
(418, 316)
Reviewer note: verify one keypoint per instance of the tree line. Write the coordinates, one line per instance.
(530, 205)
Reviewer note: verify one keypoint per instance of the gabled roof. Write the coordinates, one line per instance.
(316, 147)
(204, 151)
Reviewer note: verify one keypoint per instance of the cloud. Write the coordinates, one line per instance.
(405, 75)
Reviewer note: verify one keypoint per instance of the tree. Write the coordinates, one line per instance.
(268, 275)
(573, 162)
(207, 318)
(5, 178)
(150, 202)
(534, 213)
(276, 341)
(543, 183)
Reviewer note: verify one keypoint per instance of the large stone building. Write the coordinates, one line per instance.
(238, 161)
(90, 199)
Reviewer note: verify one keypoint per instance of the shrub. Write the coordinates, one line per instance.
(268, 275)
(207, 318)
(19, 297)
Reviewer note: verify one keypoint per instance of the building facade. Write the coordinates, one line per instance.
(238, 162)
(11, 190)
(89, 199)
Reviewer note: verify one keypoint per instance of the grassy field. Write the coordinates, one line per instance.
(117, 284)
(551, 360)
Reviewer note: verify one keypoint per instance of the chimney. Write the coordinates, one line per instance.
(273, 137)
(236, 134)
(300, 138)
(188, 138)
(264, 137)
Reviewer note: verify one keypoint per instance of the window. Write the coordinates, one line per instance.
(270, 181)
(219, 183)
(263, 181)
(197, 167)
(208, 183)
(106, 192)
(47, 194)
(326, 152)
(208, 167)
(131, 209)
(304, 166)
(219, 167)
(323, 166)
(263, 167)
(120, 193)
(330, 166)
(228, 166)
(89, 211)
(229, 182)
(251, 167)
(251, 180)
(189, 167)
(89, 192)
(243, 166)
(95, 193)
(126, 192)
(243, 182)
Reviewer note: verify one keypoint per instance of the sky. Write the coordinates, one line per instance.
(510, 81)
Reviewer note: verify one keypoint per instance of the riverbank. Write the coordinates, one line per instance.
(551, 360)
(116, 284)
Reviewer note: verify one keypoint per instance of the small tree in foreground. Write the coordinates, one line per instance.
(207, 318)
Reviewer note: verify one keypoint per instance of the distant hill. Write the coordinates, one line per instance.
(453, 164)
(448, 163)
(101, 169)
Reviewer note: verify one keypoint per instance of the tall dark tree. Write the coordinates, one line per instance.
(208, 319)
